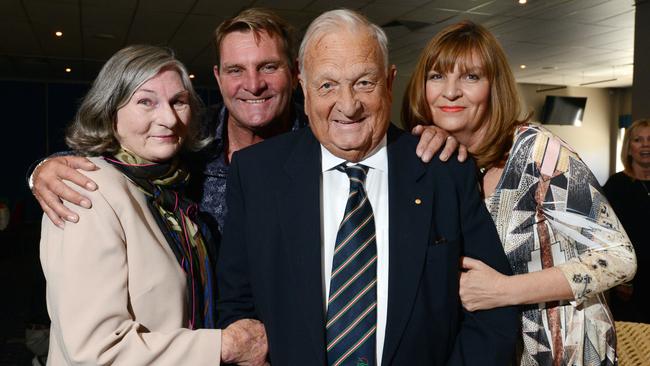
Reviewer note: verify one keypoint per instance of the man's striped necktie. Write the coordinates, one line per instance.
(352, 303)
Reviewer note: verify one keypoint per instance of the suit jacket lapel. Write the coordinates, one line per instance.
(410, 203)
(299, 209)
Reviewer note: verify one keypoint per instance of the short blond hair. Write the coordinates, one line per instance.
(458, 44)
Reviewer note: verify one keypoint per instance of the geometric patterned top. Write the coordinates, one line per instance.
(549, 210)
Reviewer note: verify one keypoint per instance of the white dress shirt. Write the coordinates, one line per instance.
(335, 188)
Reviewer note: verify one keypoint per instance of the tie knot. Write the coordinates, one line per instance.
(357, 173)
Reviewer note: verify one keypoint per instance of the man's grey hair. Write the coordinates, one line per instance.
(335, 20)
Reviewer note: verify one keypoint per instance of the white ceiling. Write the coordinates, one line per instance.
(562, 42)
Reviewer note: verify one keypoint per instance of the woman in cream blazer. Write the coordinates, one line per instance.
(115, 291)
(132, 282)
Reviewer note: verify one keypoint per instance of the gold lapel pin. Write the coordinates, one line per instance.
(418, 201)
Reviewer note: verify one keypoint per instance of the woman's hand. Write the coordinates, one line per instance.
(481, 287)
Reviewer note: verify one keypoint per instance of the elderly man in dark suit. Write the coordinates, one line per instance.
(342, 241)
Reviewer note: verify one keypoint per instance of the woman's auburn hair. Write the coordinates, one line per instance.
(468, 45)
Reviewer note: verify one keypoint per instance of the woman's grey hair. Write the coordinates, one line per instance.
(92, 131)
(335, 20)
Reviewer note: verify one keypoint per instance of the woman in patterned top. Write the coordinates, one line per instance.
(562, 238)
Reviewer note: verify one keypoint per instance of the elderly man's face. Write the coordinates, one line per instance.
(348, 93)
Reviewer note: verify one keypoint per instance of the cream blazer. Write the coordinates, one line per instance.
(115, 291)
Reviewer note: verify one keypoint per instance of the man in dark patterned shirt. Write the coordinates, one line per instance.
(256, 76)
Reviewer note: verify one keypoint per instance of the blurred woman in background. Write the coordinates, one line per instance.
(629, 193)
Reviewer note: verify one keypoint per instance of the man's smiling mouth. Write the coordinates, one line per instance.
(256, 101)
(348, 122)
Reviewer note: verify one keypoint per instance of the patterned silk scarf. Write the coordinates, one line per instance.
(178, 219)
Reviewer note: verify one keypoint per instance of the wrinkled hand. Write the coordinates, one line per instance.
(481, 287)
(432, 138)
(49, 188)
(244, 343)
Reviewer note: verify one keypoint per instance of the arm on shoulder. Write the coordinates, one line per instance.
(48, 187)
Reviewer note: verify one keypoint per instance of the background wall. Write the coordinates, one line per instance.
(623, 107)
(641, 90)
(34, 117)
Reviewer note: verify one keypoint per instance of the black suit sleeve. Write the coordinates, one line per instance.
(486, 337)
(233, 281)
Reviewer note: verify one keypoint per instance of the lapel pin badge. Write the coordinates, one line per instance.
(418, 201)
